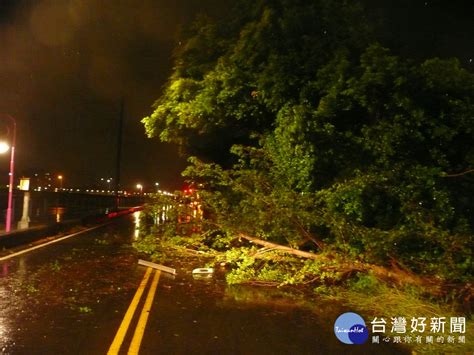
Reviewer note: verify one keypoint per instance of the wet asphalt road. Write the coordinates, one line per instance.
(70, 298)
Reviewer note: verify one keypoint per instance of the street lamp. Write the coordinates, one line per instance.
(3, 149)
(140, 187)
(60, 178)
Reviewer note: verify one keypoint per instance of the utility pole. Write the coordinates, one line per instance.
(119, 154)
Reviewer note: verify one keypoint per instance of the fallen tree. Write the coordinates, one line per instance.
(396, 274)
(274, 246)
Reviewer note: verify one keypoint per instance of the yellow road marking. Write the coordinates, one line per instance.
(140, 329)
(122, 331)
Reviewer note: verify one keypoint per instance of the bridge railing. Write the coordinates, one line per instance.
(34, 208)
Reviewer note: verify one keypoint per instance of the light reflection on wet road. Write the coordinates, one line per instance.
(70, 297)
(67, 297)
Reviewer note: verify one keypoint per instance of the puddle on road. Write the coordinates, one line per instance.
(206, 316)
(72, 296)
(55, 297)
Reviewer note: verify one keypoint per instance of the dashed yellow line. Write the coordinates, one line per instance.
(122, 331)
(140, 329)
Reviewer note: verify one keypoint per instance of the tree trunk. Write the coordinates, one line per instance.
(283, 248)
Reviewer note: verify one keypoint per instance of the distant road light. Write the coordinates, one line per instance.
(4, 147)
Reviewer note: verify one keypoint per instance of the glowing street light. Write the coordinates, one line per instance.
(60, 178)
(107, 181)
(140, 187)
(4, 147)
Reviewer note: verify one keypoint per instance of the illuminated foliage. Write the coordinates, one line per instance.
(315, 135)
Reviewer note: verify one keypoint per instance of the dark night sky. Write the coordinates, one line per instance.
(64, 65)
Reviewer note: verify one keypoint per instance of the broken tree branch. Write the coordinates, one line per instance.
(264, 243)
(459, 174)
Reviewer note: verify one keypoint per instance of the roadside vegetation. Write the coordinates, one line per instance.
(382, 291)
(304, 128)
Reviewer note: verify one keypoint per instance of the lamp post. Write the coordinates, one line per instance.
(60, 178)
(140, 187)
(4, 149)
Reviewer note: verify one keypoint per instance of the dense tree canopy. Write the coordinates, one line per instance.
(306, 129)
